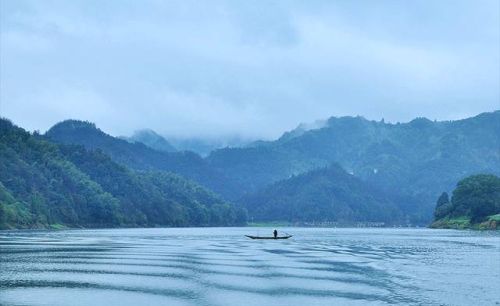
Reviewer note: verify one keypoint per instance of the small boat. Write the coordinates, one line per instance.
(264, 237)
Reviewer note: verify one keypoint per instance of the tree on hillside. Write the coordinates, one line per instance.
(474, 203)
(477, 196)
(443, 206)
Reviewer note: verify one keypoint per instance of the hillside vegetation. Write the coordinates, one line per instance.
(475, 203)
(381, 172)
(324, 195)
(43, 184)
(138, 156)
(415, 161)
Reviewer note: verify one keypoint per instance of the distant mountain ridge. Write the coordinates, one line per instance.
(417, 160)
(140, 156)
(151, 139)
(411, 162)
(203, 146)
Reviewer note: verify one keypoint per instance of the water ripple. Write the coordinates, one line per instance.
(222, 267)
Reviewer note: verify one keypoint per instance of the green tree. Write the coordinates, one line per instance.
(443, 206)
(3, 216)
(44, 183)
(477, 196)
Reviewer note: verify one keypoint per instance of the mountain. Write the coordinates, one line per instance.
(412, 162)
(475, 203)
(203, 146)
(417, 160)
(138, 156)
(323, 195)
(151, 139)
(44, 184)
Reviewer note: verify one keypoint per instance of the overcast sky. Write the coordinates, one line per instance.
(248, 68)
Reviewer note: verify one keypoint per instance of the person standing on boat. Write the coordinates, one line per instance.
(275, 233)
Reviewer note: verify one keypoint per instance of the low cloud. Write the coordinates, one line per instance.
(237, 69)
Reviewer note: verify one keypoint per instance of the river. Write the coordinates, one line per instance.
(219, 266)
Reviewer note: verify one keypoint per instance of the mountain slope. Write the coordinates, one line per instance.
(327, 194)
(417, 160)
(44, 184)
(141, 157)
(151, 139)
(41, 187)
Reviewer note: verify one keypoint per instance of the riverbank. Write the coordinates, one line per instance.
(491, 223)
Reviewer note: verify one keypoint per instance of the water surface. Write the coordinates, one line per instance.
(219, 266)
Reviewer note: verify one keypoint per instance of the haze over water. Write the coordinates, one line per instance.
(219, 266)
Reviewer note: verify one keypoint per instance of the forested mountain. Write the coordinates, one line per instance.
(326, 194)
(416, 160)
(475, 203)
(45, 184)
(411, 163)
(151, 139)
(141, 157)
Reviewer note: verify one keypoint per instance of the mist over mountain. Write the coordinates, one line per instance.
(204, 146)
(141, 157)
(321, 141)
(416, 160)
(151, 139)
(406, 164)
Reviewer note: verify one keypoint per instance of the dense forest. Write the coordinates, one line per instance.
(324, 195)
(415, 161)
(139, 156)
(343, 169)
(43, 184)
(475, 202)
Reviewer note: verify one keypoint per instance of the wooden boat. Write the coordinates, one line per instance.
(263, 237)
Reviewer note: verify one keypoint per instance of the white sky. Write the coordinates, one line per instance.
(252, 69)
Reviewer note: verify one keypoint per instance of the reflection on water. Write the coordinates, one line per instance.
(219, 266)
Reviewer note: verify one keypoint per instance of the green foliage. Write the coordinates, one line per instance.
(443, 206)
(411, 162)
(494, 218)
(138, 156)
(43, 184)
(47, 187)
(443, 200)
(477, 196)
(452, 223)
(11, 210)
(111, 182)
(414, 161)
(475, 199)
(327, 194)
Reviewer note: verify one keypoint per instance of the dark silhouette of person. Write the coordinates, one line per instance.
(275, 233)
